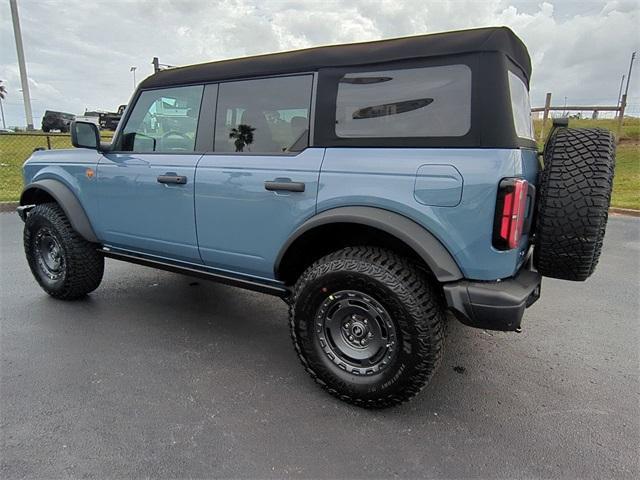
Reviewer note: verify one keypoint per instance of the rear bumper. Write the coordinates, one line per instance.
(494, 305)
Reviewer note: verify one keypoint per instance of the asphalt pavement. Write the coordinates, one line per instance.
(157, 375)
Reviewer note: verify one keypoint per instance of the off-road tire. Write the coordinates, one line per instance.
(82, 266)
(573, 202)
(414, 304)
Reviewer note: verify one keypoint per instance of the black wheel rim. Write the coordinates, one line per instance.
(356, 332)
(49, 254)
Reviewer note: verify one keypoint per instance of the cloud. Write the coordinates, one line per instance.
(79, 53)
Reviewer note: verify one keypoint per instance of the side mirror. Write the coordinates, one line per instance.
(85, 135)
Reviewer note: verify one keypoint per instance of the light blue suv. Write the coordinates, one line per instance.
(372, 186)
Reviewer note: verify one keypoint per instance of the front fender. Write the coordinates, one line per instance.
(66, 199)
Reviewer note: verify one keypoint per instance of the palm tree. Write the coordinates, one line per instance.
(3, 95)
(243, 135)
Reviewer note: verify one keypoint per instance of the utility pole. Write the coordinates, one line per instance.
(21, 65)
(620, 92)
(4, 125)
(3, 92)
(633, 57)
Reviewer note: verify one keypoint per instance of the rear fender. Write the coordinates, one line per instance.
(422, 242)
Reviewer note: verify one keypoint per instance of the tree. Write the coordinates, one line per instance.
(243, 136)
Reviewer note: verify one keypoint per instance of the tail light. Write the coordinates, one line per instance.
(511, 211)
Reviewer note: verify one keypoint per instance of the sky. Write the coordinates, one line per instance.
(79, 52)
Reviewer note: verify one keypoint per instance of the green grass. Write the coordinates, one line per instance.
(15, 148)
(630, 127)
(626, 183)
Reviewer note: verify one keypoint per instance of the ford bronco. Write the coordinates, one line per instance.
(373, 186)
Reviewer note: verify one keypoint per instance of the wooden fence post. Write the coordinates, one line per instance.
(547, 104)
(48, 143)
(623, 104)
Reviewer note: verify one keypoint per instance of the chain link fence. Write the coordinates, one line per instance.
(15, 148)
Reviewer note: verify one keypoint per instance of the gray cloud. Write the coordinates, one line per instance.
(79, 53)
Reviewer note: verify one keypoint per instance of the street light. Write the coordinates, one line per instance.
(133, 69)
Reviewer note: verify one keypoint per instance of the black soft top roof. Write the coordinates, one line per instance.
(493, 39)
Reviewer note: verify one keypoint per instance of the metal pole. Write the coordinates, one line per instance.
(23, 69)
(620, 93)
(623, 104)
(4, 125)
(633, 57)
(547, 104)
(133, 69)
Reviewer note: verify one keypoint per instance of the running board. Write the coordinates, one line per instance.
(277, 290)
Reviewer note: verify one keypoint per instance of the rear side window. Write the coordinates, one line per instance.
(521, 107)
(416, 102)
(163, 120)
(269, 115)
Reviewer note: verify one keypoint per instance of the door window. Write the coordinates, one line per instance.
(269, 115)
(164, 121)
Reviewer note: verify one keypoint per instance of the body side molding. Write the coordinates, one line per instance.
(428, 247)
(67, 201)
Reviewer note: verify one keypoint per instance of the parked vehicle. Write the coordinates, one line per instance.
(110, 120)
(57, 121)
(373, 187)
(91, 117)
(104, 120)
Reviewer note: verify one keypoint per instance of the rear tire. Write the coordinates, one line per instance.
(65, 265)
(370, 295)
(573, 206)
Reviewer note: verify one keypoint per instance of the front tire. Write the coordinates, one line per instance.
(368, 326)
(64, 264)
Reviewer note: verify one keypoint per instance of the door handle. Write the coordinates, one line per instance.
(282, 185)
(175, 179)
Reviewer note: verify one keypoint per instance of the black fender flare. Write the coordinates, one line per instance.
(427, 246)
(68, 202)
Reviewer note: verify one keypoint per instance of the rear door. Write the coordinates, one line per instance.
(146, 188)
(261, 181)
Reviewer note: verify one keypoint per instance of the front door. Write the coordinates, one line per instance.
(261, 181)
(146, 187)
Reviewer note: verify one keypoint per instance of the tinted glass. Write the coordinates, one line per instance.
(86, 135)
(521, 107)
(417, 102)
(164, 120)
(269, 115)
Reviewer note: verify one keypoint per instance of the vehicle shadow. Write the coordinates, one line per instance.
(231, 328)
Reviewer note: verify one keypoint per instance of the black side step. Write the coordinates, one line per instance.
(248, 284)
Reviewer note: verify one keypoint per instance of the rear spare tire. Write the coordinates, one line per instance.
(573, 202)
